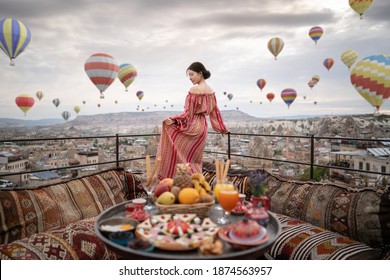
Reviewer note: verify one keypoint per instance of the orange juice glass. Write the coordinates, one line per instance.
(222, 186)
(228, 198)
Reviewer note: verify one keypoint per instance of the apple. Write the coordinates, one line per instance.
(161, 188)
(168, 181)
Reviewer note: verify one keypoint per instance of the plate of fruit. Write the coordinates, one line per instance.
(179, 232)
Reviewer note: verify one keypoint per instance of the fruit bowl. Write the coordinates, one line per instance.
(200, 209)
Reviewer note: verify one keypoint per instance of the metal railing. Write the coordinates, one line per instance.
(228, 153)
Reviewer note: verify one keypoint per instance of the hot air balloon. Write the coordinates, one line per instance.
(39, 95)
(140, 94)
(371, 78)
(270, 96)
(261, 83)
(14, 38)
(98, 105)
(288, 96)
(328, 63)
(65, 115)
(56, 102)
(230, 96)
(315, 78)
(360, 6)
(116, 101)
(224, 93)
(275, 46)
(76, 109)
(24, 102)
(315, 102)
(311, 84)
(349, 57)
(102, 69)
(315, 33)
(127, 74)
(84, 102)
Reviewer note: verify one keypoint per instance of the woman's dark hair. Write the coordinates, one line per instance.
(199, 67)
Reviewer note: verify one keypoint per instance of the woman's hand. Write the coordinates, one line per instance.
(169, 121)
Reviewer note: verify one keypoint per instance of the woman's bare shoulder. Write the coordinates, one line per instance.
(201, 90)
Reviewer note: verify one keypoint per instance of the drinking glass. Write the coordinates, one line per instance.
(149, 207)
(228, 199)
(218, 187)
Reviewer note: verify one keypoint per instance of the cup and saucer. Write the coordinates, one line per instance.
(135, 209)
(240, 208)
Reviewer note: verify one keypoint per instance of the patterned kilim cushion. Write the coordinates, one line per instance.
(71, 242)
(302, 241)
(359, 213)
(135, 186)
(29, 211)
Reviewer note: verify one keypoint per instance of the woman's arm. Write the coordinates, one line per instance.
(216, 120)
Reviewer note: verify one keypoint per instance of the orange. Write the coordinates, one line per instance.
(188, 196)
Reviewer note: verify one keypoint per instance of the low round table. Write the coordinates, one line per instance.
(273, 228)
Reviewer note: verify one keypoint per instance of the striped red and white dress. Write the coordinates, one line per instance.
(185, 141)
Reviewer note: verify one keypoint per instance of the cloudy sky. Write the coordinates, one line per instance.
(161, 38)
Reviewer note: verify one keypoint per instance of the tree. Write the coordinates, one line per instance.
(319, 173)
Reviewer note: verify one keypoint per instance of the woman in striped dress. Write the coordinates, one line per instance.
(183, 137)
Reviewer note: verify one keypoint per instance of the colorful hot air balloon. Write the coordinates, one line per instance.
(315, 78)
(127, 74)
(102, 69)
(275, 46)
(371, 78)
(311, 84)
(328, 63)
(349, 57)
(140, 94)
(230, 96)
(56, 102)
(315, 33)
(65, 115)
(39, 95)
(14, 38)
(288, 95)
(360, 6)
(270, 96)
(261, 83)
(76, 109)
(24, 102)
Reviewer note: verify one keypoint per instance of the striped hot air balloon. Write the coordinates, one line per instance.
(328, 63)
(315, 78)
(288, 95)
(270, 96)
(275, 46)
(360, 6)
(14, 38)
(39, 95)
(261, 83)
(56, 102)
(127, 74)
(315, 33)
(102, 69)
(371, 79)
(349, 57)
(24, 102)
(65, 115)
(140, 94)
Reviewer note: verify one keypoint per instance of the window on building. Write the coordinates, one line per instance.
(367, 166)
(360, 165)
(383, 169)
